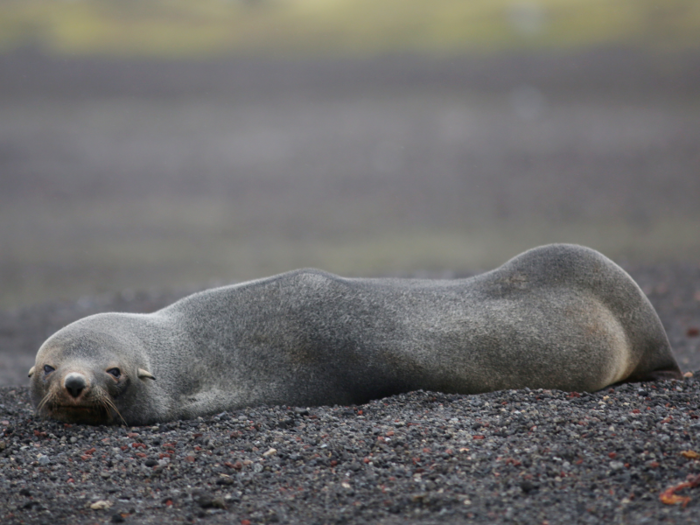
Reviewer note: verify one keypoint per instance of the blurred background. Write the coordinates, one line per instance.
(152, 144)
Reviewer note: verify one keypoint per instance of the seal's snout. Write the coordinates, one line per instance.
(75, 384)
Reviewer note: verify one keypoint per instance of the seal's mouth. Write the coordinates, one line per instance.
(91, 415)
(76, 409)
(97, 409)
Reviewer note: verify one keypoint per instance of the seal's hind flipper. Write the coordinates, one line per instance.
(663, 375)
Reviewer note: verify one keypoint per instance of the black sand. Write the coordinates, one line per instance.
(506, 457)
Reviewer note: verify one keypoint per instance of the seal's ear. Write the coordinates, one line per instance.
(143, 374)
(31, 371)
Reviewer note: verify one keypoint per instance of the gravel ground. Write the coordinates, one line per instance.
(513, 456)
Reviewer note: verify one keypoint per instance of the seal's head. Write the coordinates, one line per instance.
(84, 374)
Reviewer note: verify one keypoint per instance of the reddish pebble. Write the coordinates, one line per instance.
(693, 332)
(478, 437)
(612, 455)
(190, 459)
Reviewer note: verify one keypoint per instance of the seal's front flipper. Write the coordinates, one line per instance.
(208, 402)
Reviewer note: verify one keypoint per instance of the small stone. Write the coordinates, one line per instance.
(207, 501)
(419, 497)
(224, 480)
(527, 486)
(617, 465)
(270, 452)
(101, 505)
(44, 460)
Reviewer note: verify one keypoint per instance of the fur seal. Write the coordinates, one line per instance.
(558, 317)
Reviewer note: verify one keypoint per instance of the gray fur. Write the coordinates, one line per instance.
(559, 316)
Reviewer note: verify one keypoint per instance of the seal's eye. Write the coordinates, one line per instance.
(115, 372)
(48, 369)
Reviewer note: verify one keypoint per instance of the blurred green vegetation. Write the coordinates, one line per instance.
(183, 28)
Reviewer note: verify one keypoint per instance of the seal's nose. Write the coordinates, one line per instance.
(75, 384)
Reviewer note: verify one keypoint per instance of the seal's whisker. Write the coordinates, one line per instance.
(42, 403)
(108, 404)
